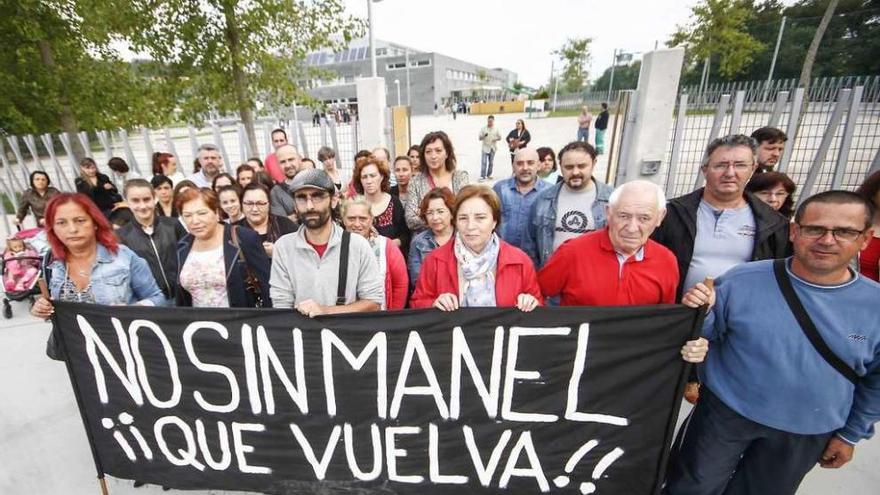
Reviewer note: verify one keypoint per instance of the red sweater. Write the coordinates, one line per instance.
(585, 271)
(514, 275)
(270, 164)
(869, 260)
(396, 277)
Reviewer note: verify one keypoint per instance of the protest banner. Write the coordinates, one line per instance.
(482, 400)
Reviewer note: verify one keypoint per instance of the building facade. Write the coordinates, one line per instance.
(424, 79)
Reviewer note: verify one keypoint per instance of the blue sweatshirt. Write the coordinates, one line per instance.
(762, 366)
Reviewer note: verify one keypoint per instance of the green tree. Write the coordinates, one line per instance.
(227, 55)
(625, 77)
(60, 73)
(719, 30)
(575, 56)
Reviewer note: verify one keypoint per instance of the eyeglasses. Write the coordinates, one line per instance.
(737, 167)
(839, 233)
(317, 197)
(253, 204)
(771, 194)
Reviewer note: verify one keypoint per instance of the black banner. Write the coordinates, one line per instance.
(487, 400)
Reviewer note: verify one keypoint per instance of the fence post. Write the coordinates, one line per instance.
(50, 148)
(104, 138)
(16, 150)
(677, 139)
(148, 147)
(244, 147)
(827, 137)
(781, 98)
(717, 121)
(875, 164)
(852, 118)
(68, 149)
(169, 141)
(736, 117)
(304, 144)
(267, 131)
(333, 138)
(193, 141)
(324, 132)
(83, 137)
(792, 128)
(129, 154)
(8, 166)
(14, 202)
(31, 145)
(218, 141)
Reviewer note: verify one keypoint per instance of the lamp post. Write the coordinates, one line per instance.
(397, 83)
(372, 38)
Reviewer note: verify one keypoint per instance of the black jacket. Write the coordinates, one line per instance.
(103, 198)
(159, 249)
(254, 257)
(679, 229)
(602, 121)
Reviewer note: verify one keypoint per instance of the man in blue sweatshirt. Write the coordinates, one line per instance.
(771, 406)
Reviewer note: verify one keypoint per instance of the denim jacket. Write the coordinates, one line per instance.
(116, 279)
(538, 242)
(420, 246)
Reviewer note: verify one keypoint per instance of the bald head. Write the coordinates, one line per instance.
(288, 159)
(525, 167)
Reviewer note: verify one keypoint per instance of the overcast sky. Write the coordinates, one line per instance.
(520, 34)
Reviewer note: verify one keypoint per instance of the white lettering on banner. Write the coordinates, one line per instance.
(434, 461)
(485, 471)
(378, 344)
(176, 387)
(533, 471)
(223, 441)
(242, 448)
(512, 374)
(187, 456)
(414, 345)
(250, 368)
(320, 467)
(392, 453)
(235, 396)
(580, 361)
(376, 437)
(461, 352)
(268, 356)
(128, 378)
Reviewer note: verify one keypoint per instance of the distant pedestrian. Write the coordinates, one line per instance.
(584, 120)
(489, 136)
(518, 138)
(601, 125)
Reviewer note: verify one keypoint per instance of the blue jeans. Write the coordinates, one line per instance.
(723, 452)
(583, 134)
(486, 162)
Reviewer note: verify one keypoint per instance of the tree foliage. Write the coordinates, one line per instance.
(625, 77)
(718, 30)
(851, 45)
(60, 72)
(226, 55)
(575, 56)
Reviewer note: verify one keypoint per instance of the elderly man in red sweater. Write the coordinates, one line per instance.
(624, 266)
(619, 265)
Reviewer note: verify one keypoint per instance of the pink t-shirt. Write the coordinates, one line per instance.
(272, 168)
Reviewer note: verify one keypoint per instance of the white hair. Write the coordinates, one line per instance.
(642, 186)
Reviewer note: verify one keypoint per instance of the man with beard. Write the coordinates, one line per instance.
(210, 162)
(321, 269)
(570, 208)
(517, 195)
(771, 145)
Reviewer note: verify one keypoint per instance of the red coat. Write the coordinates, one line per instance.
(514, 275)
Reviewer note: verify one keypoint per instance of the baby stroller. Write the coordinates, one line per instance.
(21, 267)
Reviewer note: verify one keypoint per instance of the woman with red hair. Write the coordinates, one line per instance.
(87, 264)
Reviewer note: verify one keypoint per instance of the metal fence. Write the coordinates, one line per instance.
(53, 154)
(832, 143)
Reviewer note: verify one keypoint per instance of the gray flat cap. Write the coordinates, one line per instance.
(311, 178)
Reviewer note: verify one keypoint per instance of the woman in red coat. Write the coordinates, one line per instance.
(477, 268)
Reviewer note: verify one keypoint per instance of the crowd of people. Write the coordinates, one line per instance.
(412, 232)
